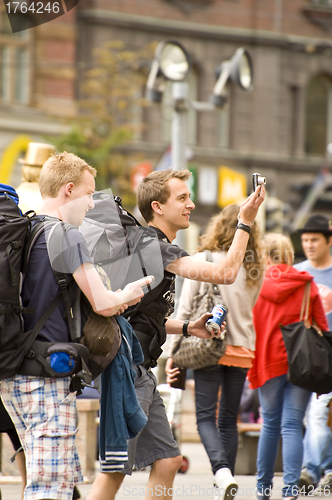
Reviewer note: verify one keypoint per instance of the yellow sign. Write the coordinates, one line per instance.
(232, 187)
(9, 157)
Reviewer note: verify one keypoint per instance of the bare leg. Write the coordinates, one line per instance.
(162, 477)
(105, 486)
(20, 460)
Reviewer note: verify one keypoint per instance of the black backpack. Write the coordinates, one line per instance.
(14, 232)
(17, 237)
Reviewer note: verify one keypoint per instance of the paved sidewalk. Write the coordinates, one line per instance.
(195, 484)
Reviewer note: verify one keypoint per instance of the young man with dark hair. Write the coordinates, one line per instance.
(316, 239)
(44, 409)
(164, 200)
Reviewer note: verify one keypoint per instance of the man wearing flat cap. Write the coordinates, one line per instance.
(316, 239)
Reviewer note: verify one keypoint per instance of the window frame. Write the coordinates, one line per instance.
(15, 82)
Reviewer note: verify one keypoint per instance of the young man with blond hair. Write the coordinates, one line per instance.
(164, 201)
(43, 409)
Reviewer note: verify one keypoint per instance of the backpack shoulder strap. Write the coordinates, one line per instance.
(124, 212)
(61, 278)
(142, 306)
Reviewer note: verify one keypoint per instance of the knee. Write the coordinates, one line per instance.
(169, 465)
(177, 463)
(111, 481)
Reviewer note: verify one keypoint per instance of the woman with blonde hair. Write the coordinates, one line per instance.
(221, 439)
(283, 404)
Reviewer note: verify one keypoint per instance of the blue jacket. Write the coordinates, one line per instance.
(121, 416)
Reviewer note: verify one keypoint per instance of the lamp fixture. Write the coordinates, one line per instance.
(171, 62)
(238, 69)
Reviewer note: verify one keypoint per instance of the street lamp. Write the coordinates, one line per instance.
(172, 62)
(239, 70)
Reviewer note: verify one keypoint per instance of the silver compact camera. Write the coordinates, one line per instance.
(258, 180)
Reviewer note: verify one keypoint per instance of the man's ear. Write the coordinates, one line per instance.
(69, 188)
(156, 207)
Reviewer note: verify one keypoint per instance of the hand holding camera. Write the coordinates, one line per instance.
(258, 180)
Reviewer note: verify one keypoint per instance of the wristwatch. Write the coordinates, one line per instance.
(243, 226)
(185, 329)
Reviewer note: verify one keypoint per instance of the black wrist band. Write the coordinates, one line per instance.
(240, 221)
(185, 329)
(244, 227)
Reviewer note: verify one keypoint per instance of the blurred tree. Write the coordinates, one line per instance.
(111, 97)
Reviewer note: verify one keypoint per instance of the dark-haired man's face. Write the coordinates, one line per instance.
(315, 246)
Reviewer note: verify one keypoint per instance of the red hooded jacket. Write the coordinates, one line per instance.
(280, 302)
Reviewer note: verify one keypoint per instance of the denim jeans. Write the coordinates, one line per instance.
(219, 442)
(317, 441)
(283, 408)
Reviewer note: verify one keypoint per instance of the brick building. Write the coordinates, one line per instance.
(37, 85)
(280, 129)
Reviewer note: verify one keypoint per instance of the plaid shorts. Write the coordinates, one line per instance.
(44, 413)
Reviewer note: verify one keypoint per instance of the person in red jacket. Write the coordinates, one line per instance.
(283, 404)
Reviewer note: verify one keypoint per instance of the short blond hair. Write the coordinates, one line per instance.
(278, 248)
(154, 187)
(61, 169)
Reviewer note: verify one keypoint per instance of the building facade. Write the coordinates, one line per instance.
(280, 129)
(37, 85)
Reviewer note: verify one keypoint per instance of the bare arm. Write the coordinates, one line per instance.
(227, 271)
(196, 328)
(106, 302)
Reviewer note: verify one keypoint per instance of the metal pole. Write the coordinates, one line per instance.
(179, 160)
(179, 125)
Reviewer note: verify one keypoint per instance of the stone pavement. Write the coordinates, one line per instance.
(195, 484)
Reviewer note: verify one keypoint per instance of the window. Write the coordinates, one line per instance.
(14, 63)
(318, 115)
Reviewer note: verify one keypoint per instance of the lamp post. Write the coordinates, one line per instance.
(172, 62)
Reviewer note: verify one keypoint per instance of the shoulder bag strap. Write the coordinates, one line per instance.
(304, 315)
(204, 287)
(214, 287)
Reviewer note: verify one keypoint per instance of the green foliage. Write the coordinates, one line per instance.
(111, 96)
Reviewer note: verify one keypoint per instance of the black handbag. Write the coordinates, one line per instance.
(309, 352)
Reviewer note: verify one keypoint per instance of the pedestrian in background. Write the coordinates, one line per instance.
(283, 404)
(220, 439)
(316, 239)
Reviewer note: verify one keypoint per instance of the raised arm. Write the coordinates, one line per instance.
(227, 271)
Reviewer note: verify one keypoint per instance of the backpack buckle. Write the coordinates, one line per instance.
(62, 283)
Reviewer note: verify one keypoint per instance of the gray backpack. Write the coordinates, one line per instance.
(119, 244)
